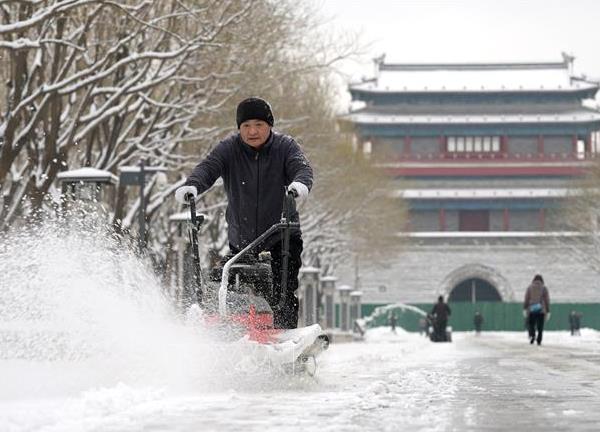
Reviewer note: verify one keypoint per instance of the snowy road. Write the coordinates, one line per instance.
(389, 382)
(90, 343)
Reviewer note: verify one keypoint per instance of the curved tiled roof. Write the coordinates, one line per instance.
(474, 77)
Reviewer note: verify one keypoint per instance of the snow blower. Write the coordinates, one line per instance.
(239, 297)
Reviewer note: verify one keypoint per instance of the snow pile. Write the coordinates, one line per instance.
(81, 312)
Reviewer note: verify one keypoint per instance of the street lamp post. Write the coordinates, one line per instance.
(328, 290)
(136, 175)
(344, 293)
(309, 288)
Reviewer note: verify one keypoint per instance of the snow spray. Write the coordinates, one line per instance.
(79, 310)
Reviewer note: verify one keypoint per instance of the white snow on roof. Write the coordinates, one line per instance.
(89, 174)
(431, 162)
(136, 168)
(377, 118)
(482, 193)
(473, 78)
(329, 279)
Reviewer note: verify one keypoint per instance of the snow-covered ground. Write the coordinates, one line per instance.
(495, 381)
(88, 342)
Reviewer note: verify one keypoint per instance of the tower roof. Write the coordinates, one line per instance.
(473, 77)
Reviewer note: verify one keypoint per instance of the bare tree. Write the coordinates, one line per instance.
(101, 83)
(580, 216)
(105, 83)
(291, 62)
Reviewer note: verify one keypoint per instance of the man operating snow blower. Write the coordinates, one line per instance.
(258, 165)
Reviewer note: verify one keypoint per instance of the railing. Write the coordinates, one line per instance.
(487, 156)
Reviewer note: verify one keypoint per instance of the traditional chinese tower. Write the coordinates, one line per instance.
(487, 151)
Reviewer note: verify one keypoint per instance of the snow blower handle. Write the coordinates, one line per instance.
(289, 208)
(194, 226)
(289, 205)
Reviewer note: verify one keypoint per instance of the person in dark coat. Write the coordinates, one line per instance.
(478, 322)
(536, 308)
(393, 320)
(440, 313)
(257, 165)
(575, 323)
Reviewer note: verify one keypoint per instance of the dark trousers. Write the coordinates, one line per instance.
(536, 321)
(439, 328)
(287, 316)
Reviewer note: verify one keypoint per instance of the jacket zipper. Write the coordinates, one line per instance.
(257, 192)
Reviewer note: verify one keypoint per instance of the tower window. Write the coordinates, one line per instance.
(473, 144)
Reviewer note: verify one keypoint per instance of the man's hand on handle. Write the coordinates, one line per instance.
(184, 193)
(299, 190)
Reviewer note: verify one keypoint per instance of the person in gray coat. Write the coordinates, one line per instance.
(536, 308)
(258, 165)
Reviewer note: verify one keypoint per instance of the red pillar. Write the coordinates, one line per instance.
(588, 145)
(540, 145)
(504, 144)
(506, 220)
(542, 220)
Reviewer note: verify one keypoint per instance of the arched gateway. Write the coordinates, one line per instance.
(476, 282)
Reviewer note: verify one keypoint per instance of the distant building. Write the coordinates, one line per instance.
(488, 152)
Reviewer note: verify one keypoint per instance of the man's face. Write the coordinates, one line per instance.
(255, 132)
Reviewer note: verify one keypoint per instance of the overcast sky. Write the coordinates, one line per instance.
(471, 30)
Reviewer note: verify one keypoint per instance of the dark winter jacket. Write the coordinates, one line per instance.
(254, 181)
(441, 311)
(537, 293)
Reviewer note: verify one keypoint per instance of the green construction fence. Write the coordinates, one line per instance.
(497, 316)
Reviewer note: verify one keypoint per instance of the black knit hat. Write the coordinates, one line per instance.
(254, 109)
(538, 277)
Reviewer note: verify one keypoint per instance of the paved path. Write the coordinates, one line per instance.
(491, 382)
(496, 382)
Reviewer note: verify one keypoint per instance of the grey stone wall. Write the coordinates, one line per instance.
(420, 272)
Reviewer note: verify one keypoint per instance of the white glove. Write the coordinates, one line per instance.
(547, 316)
(182, 192)
(525, 313)
(299, 190)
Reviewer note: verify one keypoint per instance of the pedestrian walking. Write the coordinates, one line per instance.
(536, 308)
(392, 321)
(575, 323)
